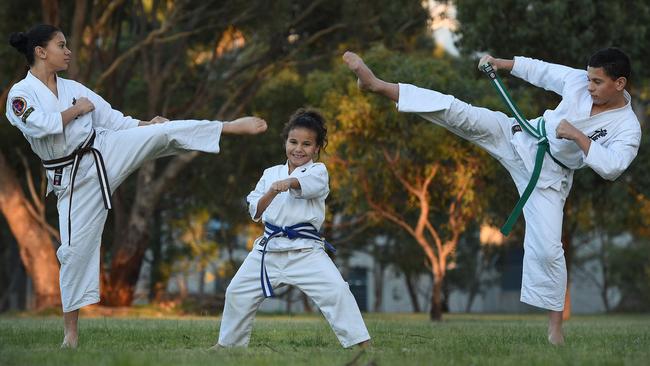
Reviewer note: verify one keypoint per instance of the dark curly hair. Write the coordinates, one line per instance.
(309, 119)
(25, 42)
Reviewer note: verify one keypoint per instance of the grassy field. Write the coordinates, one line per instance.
(401, 339)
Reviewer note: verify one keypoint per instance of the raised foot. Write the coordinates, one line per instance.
(366, 80)
(245, 126)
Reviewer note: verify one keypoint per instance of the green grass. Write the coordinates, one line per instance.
(401, 339)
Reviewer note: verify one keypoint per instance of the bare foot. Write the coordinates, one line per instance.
(216, 348)
(556, 339)
(245, 126)
(555, 336)
(366, 79)
(364, 344)
(69, 342)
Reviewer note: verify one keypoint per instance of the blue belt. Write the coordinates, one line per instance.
(298, 231)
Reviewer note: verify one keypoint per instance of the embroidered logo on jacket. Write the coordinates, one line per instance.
(598, 134)
(27, 113)
(18, 105)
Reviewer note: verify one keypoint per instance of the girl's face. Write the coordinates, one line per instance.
(56, 54)
(300, 147)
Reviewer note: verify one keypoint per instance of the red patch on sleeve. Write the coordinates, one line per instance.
(18, 105)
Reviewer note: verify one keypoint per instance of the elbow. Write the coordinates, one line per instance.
(40, 133)
(252, 210)
(612, 174)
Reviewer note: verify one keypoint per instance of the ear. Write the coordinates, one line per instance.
(620, 83)
(40, 52)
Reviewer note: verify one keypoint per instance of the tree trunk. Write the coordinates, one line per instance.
(50, 12)
(410, 286)
(436, 298)
(75, 43)
(129, 249)
(289, 299)
(379, 285)
(306, 303)
(604, 250)
(473, 290)
(158, 279)
(34, 242)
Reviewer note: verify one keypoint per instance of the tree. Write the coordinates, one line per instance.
(26, 218)
(33, 235)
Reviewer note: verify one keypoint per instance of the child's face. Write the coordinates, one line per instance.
(301, 146)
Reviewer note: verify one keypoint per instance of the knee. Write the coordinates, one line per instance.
(157, 135)
(550, 253)
(233, 296)
(230, 293)
(338, 290)
(161, 138)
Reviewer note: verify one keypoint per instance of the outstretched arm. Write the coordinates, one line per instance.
(552, 77)
(367, 80)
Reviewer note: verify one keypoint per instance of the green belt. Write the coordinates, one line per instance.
(543, 147)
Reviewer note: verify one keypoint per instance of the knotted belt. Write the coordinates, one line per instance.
(538, 132)
(298, 231)
(74, 159)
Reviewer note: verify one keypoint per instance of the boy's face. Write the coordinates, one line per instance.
(602, 87)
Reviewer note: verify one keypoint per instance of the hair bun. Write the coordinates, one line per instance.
(19, 41)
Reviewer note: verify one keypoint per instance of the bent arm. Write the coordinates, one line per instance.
(611, 161)
(105, 116)
(313, 184)
(31, 119)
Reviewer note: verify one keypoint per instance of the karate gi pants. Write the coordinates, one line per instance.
(544, 277)
(311, 271)
(123, 152)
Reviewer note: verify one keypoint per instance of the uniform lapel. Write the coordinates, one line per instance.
(47, 100)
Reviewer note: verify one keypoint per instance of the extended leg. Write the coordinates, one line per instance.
(243, 297)
(314, 273)
(488, 129)
(367, 79)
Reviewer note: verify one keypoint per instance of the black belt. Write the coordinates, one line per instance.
(74, 159)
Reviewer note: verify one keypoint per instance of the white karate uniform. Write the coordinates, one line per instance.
(299, 262)
(123, 147)
(615, 136)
